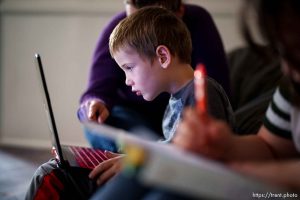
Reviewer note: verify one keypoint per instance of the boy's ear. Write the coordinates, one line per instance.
(164, 56)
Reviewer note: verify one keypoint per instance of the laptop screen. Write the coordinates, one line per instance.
(48, 109)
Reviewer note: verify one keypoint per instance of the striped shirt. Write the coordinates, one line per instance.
(282, 118)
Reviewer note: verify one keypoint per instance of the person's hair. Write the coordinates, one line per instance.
(268, 14)
(173, 5)
(150, 27)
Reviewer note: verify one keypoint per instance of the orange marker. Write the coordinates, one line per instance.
(200, 88)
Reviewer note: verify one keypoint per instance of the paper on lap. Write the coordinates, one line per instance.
(180, 171)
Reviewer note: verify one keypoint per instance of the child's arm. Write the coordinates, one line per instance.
(214, 139)
(108, 168)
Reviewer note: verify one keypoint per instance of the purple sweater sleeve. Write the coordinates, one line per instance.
(207, 45)
(105, 76)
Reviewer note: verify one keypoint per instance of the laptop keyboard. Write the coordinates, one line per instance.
(88, 157)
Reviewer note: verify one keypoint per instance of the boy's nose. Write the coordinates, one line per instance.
(128, 82)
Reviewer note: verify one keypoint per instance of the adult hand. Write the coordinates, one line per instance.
(201, 134)
(107, 169)
(96, 111)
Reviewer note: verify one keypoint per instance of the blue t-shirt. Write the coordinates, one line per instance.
(218, 106)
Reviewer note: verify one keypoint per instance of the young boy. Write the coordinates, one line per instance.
(114, 104)
(154, 61)
(153, 48)
(145, 46)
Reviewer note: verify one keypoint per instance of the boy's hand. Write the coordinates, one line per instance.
(96, 111)
(107, 169)
(201, 134)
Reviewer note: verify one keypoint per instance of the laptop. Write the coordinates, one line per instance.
(66, 156)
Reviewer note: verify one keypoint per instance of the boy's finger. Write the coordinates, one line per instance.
(110, 154)
(100, 169)
(105, 176)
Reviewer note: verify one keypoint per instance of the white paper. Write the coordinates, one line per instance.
(181, 171)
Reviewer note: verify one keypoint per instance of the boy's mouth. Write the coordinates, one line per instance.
(137, 92)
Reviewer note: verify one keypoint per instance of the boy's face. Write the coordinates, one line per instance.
(144, 78)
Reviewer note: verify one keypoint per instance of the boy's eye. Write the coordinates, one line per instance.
(128, 68)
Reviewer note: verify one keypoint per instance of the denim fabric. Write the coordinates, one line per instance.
(100, 142)
(121, 187)
(120, 117)
(127, 187)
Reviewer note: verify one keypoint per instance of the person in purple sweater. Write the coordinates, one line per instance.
(108, 100)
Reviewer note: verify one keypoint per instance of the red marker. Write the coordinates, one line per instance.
(200, 88)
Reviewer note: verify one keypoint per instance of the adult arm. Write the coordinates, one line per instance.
(213, 138)
(105, 78)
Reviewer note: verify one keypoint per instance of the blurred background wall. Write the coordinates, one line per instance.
(64, 32)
